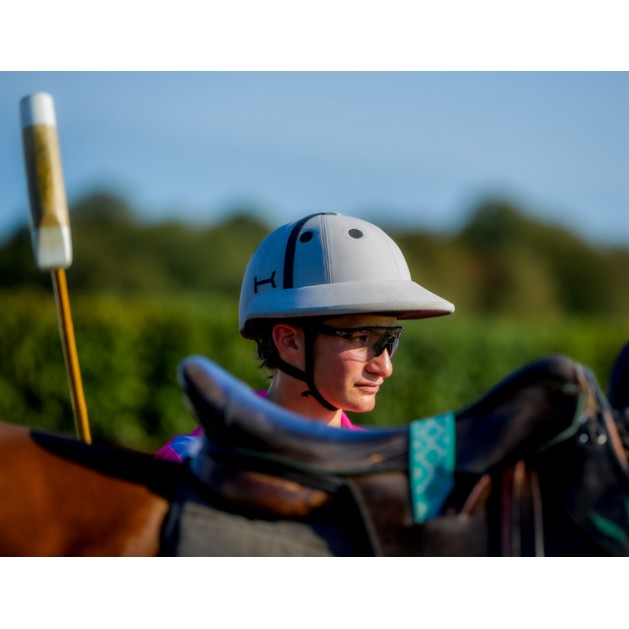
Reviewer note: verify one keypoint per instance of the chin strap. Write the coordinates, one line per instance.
(307, 375)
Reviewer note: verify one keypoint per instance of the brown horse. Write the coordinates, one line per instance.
(61, 497)
(539, 468)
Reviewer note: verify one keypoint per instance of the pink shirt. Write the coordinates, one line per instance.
(178, 447)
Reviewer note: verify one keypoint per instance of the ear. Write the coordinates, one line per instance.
(289, 341)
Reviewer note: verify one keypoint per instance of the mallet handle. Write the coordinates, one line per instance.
(66, 329)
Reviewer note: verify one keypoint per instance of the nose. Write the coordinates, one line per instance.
(380, 365)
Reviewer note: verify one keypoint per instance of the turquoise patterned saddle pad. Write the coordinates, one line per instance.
(431, 464)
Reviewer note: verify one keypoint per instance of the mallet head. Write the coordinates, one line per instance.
(50, 221)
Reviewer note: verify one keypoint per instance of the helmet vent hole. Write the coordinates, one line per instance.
(305, 237)
(355, 233)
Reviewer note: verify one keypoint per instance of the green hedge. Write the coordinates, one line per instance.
(129, 350)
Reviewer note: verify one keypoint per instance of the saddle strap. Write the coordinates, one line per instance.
(522, 529)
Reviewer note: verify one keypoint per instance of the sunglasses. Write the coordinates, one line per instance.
(368, 339)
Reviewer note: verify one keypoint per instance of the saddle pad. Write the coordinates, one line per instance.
(431, 464)
(194, 528)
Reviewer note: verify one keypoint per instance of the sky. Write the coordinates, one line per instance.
(242, 107)
(416, 149)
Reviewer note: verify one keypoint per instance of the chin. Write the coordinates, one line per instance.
(363, 406)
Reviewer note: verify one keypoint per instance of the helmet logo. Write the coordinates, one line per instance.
(257, 282)
(355, 233)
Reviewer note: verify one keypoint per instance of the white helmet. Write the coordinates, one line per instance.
(329, 264)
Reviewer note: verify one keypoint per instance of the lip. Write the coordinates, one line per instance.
(368, 387)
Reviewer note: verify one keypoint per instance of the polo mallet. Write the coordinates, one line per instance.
(50, 229)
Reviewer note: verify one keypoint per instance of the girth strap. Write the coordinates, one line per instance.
(522, 528)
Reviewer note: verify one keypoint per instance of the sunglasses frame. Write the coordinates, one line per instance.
(389, 333)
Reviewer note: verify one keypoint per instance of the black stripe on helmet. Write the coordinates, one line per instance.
(291, 247)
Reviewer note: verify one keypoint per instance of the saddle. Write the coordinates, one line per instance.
(262, 460)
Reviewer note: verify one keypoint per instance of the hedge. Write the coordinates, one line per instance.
(129, 349)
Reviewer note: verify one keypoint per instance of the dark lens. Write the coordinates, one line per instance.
(388, 341)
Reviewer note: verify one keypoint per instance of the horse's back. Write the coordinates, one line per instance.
(61, 497)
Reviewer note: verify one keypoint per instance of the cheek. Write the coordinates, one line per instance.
(335, 378)
(330, 367)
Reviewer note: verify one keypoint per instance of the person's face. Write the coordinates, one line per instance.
(347, 372)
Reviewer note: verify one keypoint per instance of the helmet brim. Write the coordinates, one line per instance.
(403, 298)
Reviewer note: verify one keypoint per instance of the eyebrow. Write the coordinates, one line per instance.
(358, 328)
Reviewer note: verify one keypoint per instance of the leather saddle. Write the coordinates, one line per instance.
(264, 460)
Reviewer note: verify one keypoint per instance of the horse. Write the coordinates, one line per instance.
(536, 466)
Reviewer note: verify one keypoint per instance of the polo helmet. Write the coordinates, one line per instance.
(330, 264)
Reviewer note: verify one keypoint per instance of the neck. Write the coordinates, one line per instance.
(286, 391)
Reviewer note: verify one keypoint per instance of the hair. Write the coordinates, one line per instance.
(266, 351)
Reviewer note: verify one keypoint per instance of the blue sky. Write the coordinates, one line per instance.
(418, 149)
